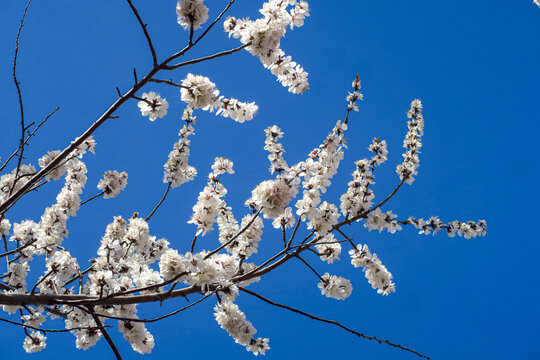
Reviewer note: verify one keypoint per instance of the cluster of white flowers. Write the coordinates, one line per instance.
(12, 182)
(177, 170)
(5, 226)
(317, 171)
(248, 242)
(286, 219)
(233, 320)
(198, 92)
(328, 248)
(380, 150)
(138, 336)
(196, 269)
(263, 36)
(153, 106)
(358, 198)
(76, 318)
(356, 95)
(335, 287)
(61, 267)
(376, 273)
(209, 201)
(191, 13)
(326, 217)
(377, 220)
(468, 229)
(412, 143)
(45, 237)
(272, 197)
(278, 163)
(112, 183)
(35, 341)
(57, 172)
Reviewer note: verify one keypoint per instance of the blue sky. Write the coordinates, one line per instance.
(474, 65)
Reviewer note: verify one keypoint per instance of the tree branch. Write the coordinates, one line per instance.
(333, 322)
(143, 26)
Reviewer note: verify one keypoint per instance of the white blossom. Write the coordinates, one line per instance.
(335, 287)
(5, 226)
(58, 171)
(233, 320)
(376, 273)
(153, 106)
(191, 13)
(34, 342)
(273, 196)
(328, 248)
(112, 183)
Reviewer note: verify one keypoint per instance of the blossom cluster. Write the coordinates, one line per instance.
(209, 201)
(191, 13)
(335, 287)
(113, 183)
(153, 106)
(412, 144)
(177, 171)
(376, 273)
(234, 321)
(271, 144)
(469, 229)
(198, 92)
(263, 37)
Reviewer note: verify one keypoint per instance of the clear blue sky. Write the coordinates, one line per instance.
(474, 65)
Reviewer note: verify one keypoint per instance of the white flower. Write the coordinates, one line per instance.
(58, 171)
(222, 165)
(377, 274)
(335, 287)
(286, 219)
(171, 264)
(153, 106)
(112, 183)
(191, 13)
(198, 92)
(135, 332)
(34, 342)
(5, 226)
(233, 320)
(273, 196)
(328, 248)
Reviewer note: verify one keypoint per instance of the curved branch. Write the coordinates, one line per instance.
(333, 322)
(143, 26)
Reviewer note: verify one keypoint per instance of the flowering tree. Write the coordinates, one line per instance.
(132, 266)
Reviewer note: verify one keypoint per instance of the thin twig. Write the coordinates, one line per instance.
(19, 94)
(333, 322)
(205, 58)
(160, 202)
(143, 26)
(169, 82)
(311, 267)
(149, 320)
(92, 198)
(49, 330)
(107, 337)
(28, 138)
